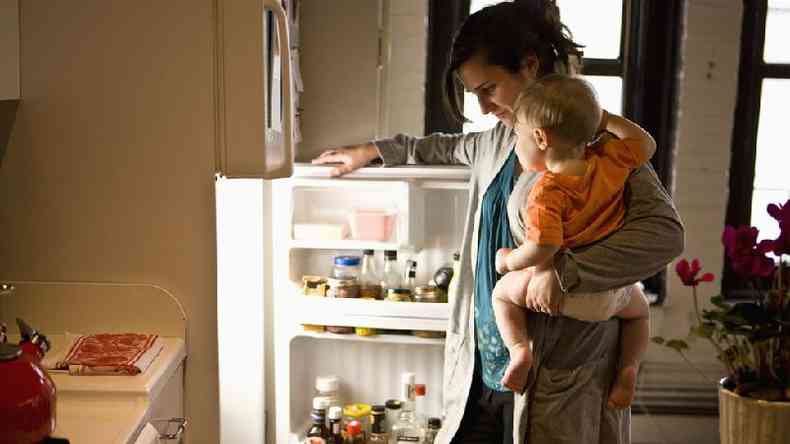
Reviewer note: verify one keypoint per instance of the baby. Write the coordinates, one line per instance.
(578, 200)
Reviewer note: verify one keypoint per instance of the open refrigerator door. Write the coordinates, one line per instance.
(322, 327)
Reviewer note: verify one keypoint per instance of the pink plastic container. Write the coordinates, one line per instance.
(372, 224)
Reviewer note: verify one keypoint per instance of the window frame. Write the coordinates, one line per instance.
(650, 83)
(752, 71)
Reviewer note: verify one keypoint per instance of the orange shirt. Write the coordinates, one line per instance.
(571, 211)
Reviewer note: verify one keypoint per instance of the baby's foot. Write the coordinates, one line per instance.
(624, 389)
(518, 370)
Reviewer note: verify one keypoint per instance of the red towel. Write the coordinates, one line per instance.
(117, 353)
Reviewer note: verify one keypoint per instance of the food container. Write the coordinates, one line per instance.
(370, 292)
(399, 295)
(314, 286)
(358, 412)
(429, 294)
(320, 231)
(346, 267)
(342, 288)
(372, 224)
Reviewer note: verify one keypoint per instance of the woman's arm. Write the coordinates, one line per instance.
(437, 149)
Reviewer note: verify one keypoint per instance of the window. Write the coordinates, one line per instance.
(759, 149)
(632, 58)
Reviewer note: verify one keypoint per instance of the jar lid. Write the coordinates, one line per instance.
(390, 254)
(456, 256)
(425, 289)
(357, 410)
(313, 281)
(378, 409)
(335, 412)
(435, 423)
(327, 383)
(367, 252)
(9, 352)
(393, 404)
(419, 389)
(349, 261)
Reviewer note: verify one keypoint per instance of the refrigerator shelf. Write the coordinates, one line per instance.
(345, 244)
(384, 338)
(375, 314)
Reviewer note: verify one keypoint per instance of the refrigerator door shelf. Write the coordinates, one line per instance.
(422, 172)
(367, 313)
(385, 338)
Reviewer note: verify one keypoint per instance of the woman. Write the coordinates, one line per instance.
(498, 51)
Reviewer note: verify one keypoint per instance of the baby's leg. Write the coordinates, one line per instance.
(508, 301)
(635, 333)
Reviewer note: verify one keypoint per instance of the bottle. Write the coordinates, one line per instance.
(378, 426)
(335, 425)
(419, 403)
(407, 430)
(393, 407)
(327, 387)
(391, 277)
(411, 275)
(369, 277)
(456, 275)
(434, 425)
(318, 416)
(354, 433)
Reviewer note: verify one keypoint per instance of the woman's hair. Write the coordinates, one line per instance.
(505, 34)
(567, 106)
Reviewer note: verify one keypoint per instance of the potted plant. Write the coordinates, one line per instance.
(751, 338)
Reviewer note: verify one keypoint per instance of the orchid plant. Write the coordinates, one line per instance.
(752, 338)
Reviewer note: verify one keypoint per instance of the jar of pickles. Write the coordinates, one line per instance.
(429, 294)
(399, 295)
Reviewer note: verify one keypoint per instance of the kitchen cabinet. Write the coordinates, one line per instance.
(9, 49)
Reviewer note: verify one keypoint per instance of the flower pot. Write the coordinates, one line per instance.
(745, 420)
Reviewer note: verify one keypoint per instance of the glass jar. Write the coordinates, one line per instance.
(313, 286)
(361, 413)
(393, 408)
(346, 267)
(328, 387)
(399, 295)
(429, 294)
(342, 288)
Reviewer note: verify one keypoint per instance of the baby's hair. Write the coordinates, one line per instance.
(567, 106)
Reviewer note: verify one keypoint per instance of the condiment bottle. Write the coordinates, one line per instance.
(391, 277)
(456, 275)
(369, 278)
(318, 416)
(354, 433)
(335, 425)
(378, 426)
(393, 407)
(434, 425)
(327, 387)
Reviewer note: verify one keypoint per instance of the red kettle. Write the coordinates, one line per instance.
(27, 393)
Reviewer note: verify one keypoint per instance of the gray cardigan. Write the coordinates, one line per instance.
(575, 361)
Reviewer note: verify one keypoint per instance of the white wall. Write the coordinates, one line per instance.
(109, 172)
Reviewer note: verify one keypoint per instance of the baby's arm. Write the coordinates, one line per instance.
(626, 129)
(529, 254)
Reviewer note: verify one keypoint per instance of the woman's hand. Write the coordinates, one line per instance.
(350, 158)
(501, 260)
(543, 292)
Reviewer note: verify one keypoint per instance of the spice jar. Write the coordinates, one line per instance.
(360, 413)
(399, 295)
(313, 286)
(343, 288)
(346, 267)
(393, 408)
(429, 294)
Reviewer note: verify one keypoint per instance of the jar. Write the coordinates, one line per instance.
(313, 286)
(428, 294)
(358, 412)
(343, 288)
(399, 295)
(346, 267)
(370, 291)
(365, 331)
(393, 408)
(327, 387)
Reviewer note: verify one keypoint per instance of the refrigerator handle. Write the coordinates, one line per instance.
(280, 164)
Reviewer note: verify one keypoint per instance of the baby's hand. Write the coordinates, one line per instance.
(501, 260)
